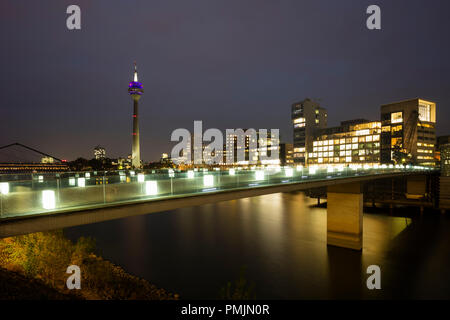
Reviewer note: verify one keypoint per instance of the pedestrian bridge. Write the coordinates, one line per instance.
(42, 202)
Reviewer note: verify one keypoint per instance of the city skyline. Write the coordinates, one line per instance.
(247, 74)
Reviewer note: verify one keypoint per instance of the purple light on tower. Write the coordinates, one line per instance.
(135, 89)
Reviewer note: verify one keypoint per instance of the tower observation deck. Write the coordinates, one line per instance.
(135, 89)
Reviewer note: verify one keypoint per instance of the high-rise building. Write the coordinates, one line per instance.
(353, 142)
(135, 89)
(408, 132)
(99, 153)
(257, 148)
(307, 117)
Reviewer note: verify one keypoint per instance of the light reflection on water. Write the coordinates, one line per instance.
(281, 240)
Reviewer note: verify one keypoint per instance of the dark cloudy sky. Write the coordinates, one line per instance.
(230, 63)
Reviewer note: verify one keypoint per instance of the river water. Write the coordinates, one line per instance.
(280, 241)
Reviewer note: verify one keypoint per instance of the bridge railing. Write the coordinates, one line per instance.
(50, 193)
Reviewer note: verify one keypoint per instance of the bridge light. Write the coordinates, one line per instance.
(141, 178)
(231, 172)
(366, 167)
(87, 175)
(330, 169)
(208, 180)
(151, 188)
(132, 173)
(205, 170)
(289, 172)
(340, 168)
(81, 182)
(48, 199)
(299, 168)
(4, 188)
(41, 178)
(391, 166)
(190, 174)
(312, 170)
(383, 166)
(71, 181)
(259, 175)
(171, 173)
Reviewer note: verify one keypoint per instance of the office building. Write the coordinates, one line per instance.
(307, 117)
(286, 154)
(257, 149)
(353, 142)
(408, 132)
(444, 155)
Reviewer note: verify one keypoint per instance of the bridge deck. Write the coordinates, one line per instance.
(53, 202)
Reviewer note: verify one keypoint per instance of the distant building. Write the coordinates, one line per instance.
(99, 153)
(47, 160)
(165, 160)
(353, 142)
(258, 147)
(307, 116)
(408, 132)
(286, 154)
(444, 148)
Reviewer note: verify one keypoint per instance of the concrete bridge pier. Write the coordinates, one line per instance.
(345, 215)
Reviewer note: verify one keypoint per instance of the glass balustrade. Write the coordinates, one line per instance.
(29, 194)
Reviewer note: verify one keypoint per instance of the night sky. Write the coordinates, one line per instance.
(230, 63)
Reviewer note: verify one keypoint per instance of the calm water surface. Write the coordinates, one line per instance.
(281, 240)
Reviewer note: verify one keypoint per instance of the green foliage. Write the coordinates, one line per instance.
(241, 290)
(46, 256)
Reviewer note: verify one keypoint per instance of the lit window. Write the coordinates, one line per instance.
(368, 138)
(396, 117)
(348, 159)
(354, 146)
(425, 112)
(386, 129)
(364, 132)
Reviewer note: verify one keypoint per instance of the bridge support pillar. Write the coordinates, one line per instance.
(345, 216)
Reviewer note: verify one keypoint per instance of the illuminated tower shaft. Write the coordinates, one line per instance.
(136, 148)
(135, 89)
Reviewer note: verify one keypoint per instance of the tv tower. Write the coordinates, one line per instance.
(135, 89)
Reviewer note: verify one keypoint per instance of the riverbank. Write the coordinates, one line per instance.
(15, 286)
(34, 267)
